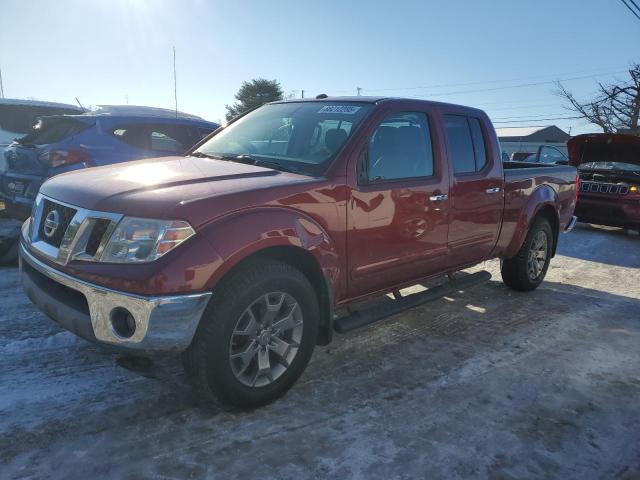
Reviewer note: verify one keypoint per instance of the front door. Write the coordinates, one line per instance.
(397, 215)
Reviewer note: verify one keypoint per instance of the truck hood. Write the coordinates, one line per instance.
(604, 147)
(170, 187)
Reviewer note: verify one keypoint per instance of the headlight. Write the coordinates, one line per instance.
(144, 240)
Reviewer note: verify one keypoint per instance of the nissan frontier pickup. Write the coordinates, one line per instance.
(271, 233)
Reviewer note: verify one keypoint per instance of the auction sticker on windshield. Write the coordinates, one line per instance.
(348, 109)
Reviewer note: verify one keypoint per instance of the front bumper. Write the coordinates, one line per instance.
(615, 212)
(164, 323)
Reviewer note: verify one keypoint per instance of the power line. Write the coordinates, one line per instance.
(520, 79)
(522, 85)
(631, 9)
(539, 119)
(540, 105)
(635, 5)
(529, 116)
(425, 87)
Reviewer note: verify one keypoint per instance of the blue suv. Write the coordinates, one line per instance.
(61, 143)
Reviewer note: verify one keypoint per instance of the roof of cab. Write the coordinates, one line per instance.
(374, 100)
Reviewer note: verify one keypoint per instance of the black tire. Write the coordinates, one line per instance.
(516, 272)
(207, 360)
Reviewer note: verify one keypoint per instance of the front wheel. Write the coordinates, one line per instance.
(256, 336)
(528, 268)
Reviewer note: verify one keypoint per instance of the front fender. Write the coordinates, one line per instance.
(542, 197)
(245, 233)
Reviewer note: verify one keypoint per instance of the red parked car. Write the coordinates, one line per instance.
(240, 253)
(609, 167)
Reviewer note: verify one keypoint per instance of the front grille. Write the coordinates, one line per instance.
(604, 188)
(65, 216)
(80, 233)
(99, 229)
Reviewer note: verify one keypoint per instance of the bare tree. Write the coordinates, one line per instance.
(615, 108)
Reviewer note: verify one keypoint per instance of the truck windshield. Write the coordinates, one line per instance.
(299, 136)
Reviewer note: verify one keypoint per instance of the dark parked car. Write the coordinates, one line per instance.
(17, 117)
(609, 168)
(61, 143)
(239, 253)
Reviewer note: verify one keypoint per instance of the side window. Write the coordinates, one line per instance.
(460, 143)
(136, 136)
(399, 148)
(466, 143)
(163, 142)
(478, 143)
(551, 155)
(203, 132)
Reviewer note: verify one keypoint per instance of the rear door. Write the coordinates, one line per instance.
(477, 196)
(397, 213)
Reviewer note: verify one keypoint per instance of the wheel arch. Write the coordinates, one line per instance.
(286, 236)
(304, 261)
(543, 202)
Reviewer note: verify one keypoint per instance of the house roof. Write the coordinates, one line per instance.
(523, 132)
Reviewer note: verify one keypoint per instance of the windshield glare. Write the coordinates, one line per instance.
(302, 137)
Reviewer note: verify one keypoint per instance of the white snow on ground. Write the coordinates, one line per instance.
(487, 383)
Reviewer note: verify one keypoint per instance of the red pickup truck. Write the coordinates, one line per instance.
(241, 253)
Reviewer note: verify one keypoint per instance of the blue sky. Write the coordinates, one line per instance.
(108, 51)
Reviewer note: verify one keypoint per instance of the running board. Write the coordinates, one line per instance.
(367, 316)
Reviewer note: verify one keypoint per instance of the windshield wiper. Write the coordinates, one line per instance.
(205, 155)
(251, 160)
(247, 159)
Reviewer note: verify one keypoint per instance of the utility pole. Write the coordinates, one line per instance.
(359, 90)
(303, 93)
(175, 83)
(1, 86)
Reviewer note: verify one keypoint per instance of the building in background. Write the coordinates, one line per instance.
(528, 139)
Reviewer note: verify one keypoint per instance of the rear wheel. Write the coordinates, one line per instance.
(528, 268)
(256, 336)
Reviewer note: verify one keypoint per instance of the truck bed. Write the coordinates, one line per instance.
(526, 185)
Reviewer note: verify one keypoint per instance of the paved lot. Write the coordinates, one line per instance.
(489, 383)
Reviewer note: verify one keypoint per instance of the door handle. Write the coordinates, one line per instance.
(438, 198)
(493, 190)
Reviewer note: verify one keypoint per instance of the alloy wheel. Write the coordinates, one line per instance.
(537, 255)
(266, 339)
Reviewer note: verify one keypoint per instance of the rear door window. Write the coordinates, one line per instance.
(160, 138)
(136, 136)
(478, 143)
(163, 142)
(466, 143)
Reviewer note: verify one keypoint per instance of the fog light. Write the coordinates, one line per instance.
(122, 322)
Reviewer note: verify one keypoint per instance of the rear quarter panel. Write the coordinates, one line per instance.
(527, 191)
